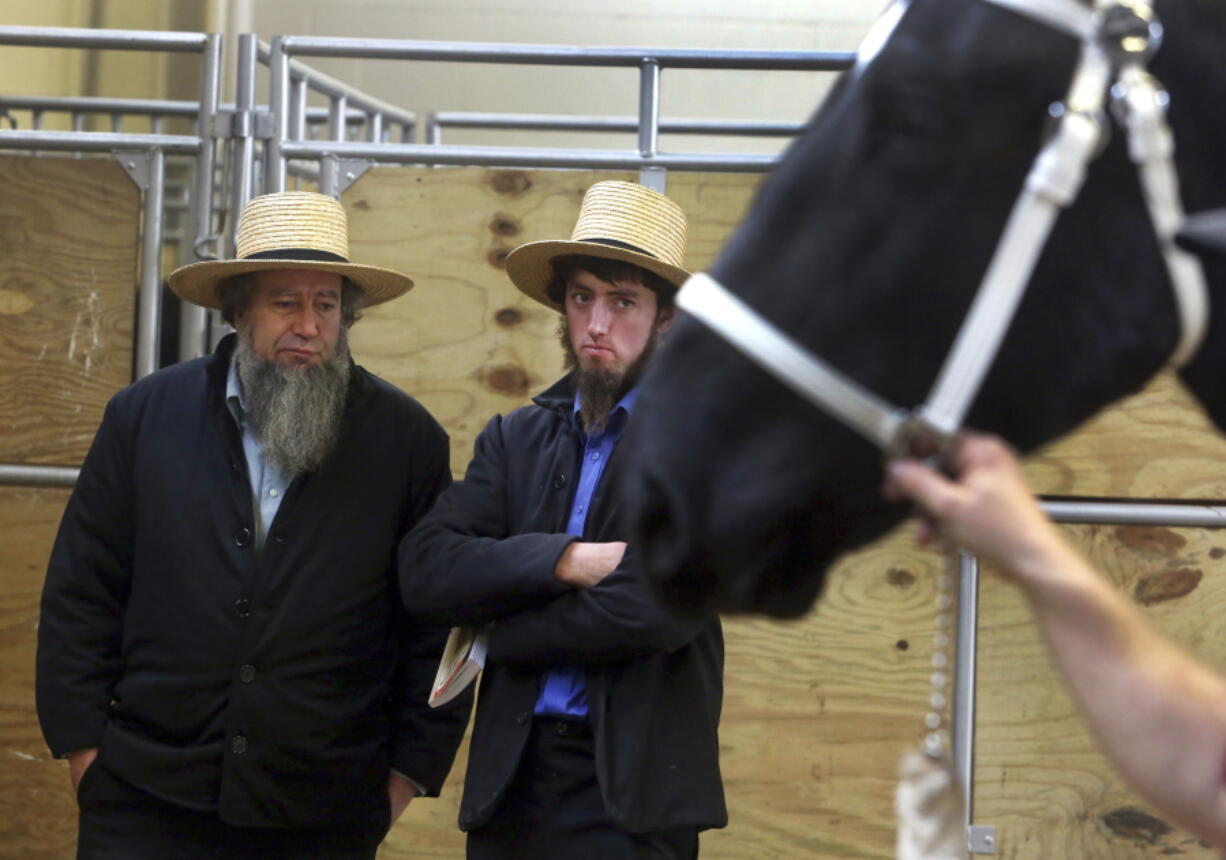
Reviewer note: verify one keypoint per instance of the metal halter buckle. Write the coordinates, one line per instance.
(1129, 32)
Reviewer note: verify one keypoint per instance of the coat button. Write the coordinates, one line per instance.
(559, 482)
(242, 536)
(238, 744)
(522, 719)
(242, 607)
(246, 673)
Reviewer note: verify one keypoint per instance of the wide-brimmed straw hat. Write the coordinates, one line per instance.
(617, 221)
(289, 230)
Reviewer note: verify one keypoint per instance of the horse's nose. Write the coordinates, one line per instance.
(666, 543)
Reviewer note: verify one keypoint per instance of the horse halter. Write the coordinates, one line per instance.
(1119, 36)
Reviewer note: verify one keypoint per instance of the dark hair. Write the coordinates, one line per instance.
(234, 294)
(611, 271)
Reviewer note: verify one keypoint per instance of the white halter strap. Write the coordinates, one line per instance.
(1052, 184)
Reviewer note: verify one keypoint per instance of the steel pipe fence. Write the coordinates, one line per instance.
(437, 121)
(287, 141)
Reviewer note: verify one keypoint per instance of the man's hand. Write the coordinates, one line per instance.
(988, 509)
(582, 564)
(399, 792)
(78, 763)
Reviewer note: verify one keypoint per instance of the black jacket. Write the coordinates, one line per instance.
(487, 552)
(277, 686)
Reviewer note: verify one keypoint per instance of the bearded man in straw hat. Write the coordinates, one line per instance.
(223, 656)
(597, 718)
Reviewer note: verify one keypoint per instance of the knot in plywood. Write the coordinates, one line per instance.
(510, 182)
(497, 256)
(1155, 539)
(900, 577)
(508, 317)
(509, 379)
(1166, 585)
(504, 225)
(1134, 824)
(13, 302)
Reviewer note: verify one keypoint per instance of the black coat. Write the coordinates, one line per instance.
(488, 551)
(278, 686)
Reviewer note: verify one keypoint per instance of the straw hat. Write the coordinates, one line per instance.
(289, 230)
(617, 221)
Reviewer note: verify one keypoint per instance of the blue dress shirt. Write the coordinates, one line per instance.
(563, 689)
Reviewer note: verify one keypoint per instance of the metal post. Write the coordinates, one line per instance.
(374, 127)
(298, 109)
(193, 319)
(278, 105)
(434, 130)
(649, 123)
(148, 324)
(244, 104)
(962, 716)
(649, 107)
(339, 106)
(329, 179)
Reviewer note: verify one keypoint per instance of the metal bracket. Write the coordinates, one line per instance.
(243, 123)
(337, 174)
(981, 839)
(136, 164)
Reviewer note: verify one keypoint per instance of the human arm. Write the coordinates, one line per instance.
(618, 618)
(400, 791)
(79, 762)
(1158, 714)
(461, 565)
(424, 739)
(84, 595)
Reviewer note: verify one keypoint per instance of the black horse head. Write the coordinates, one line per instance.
(866, 245)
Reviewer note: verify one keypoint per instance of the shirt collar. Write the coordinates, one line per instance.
(624, 407)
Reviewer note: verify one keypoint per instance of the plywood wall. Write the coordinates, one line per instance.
(816, 711)
(68, 255)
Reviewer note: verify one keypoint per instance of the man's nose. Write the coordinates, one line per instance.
(305, 324)
(598, 319)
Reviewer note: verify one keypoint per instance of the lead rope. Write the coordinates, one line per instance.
(929, 802)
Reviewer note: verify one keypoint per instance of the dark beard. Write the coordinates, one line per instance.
(295, 412)
(599, 390)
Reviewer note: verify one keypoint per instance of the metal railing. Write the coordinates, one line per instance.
(437, 121)
(146, 150)
(286, 143)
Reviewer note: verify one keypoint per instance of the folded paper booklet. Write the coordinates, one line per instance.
(463, 658)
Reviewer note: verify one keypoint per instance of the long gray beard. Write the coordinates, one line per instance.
(294, 411)
(599, 390)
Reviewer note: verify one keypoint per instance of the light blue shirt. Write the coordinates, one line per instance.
(268, 485)
(563, 689)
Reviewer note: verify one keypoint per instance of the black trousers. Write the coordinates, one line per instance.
(120, 822)
(553, 809)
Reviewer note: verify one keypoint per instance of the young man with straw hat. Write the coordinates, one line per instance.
(597, 718)
(223, 656)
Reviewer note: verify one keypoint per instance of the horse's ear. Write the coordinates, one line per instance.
(1204, 233)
